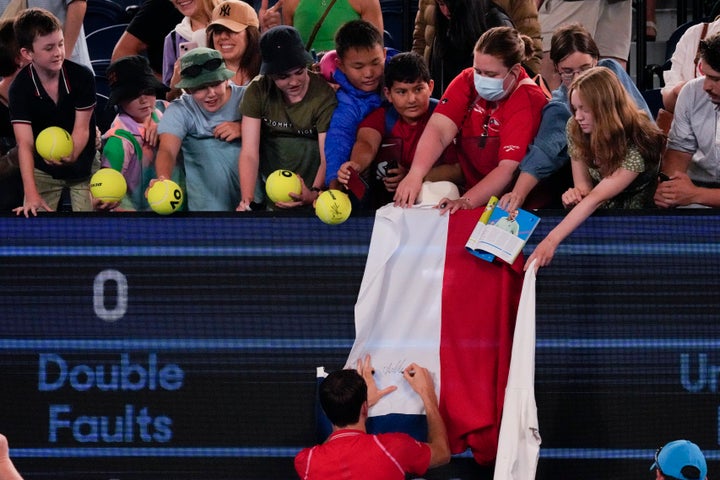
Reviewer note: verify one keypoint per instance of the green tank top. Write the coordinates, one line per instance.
(307, 14)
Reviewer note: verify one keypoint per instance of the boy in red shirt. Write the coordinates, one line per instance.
(387, 138)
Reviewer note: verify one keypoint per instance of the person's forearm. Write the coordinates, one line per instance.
(495, 183)
(73, 24)
(437, 433)
(707, 196)
(128, 45)
(429, 149)
(248, 169)
(164, 164)
(669, 99)
(574, 218)
(27, 171)
(80, 137)
(525, 184)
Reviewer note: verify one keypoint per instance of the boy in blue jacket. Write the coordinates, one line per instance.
(360, 66)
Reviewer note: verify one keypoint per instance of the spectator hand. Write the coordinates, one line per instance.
(101, 206)
(365, 369)
(228, 131)
(306, 197)
(394, 177)
(344, 172)
(452, 206)
(572, 197)
(511, 201)
(543, 253)
(269, 17)
(33, 203)
(98, 139)
(677, 191)
(243, 206)
(150, 136)
(407, 190)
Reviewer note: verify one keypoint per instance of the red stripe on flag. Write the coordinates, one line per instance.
(479, 306)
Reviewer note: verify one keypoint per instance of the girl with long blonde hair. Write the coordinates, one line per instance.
(614, 149)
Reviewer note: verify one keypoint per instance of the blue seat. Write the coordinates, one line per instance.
(655, 69)
(102, 41)
(102, 13)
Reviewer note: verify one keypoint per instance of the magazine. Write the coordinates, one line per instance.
(501, 234)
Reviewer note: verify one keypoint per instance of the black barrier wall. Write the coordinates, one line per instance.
(181, 347)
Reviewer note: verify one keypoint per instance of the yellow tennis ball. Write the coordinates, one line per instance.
(333, 207)
(54, 143)
(165, 197)
(280, 183)
(108, 185)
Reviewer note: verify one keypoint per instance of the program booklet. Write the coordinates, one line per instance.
(501, 234)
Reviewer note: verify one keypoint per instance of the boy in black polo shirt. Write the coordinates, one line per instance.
(51, 91)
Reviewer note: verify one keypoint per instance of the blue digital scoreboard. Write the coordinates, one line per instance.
(137, 346)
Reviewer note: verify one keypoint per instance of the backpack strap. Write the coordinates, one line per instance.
(697, 53)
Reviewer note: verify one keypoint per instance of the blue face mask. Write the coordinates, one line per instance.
(491, 89)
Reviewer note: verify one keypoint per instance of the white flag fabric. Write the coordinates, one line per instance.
(519, 443)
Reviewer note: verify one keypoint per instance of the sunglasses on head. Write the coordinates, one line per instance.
(193, 71)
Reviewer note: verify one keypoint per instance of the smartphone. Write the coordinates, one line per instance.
(663, 177)
(356, 184)
(185, 47)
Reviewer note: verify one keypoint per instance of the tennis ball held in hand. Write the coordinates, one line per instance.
(333, 207)
(280, 184)
(54, 143)
(165, 197)
(108, 185)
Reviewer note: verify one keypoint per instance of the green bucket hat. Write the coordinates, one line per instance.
(201, 66)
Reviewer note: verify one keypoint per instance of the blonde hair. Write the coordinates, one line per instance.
(618, 123)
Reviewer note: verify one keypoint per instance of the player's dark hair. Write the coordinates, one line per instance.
(406, 67)
(357, 34)
(342, 394)
(32, 23)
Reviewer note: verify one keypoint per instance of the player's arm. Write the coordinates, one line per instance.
(421, 381)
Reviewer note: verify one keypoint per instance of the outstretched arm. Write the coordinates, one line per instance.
(421, 381)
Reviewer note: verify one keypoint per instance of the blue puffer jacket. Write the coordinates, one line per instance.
(353, 106)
